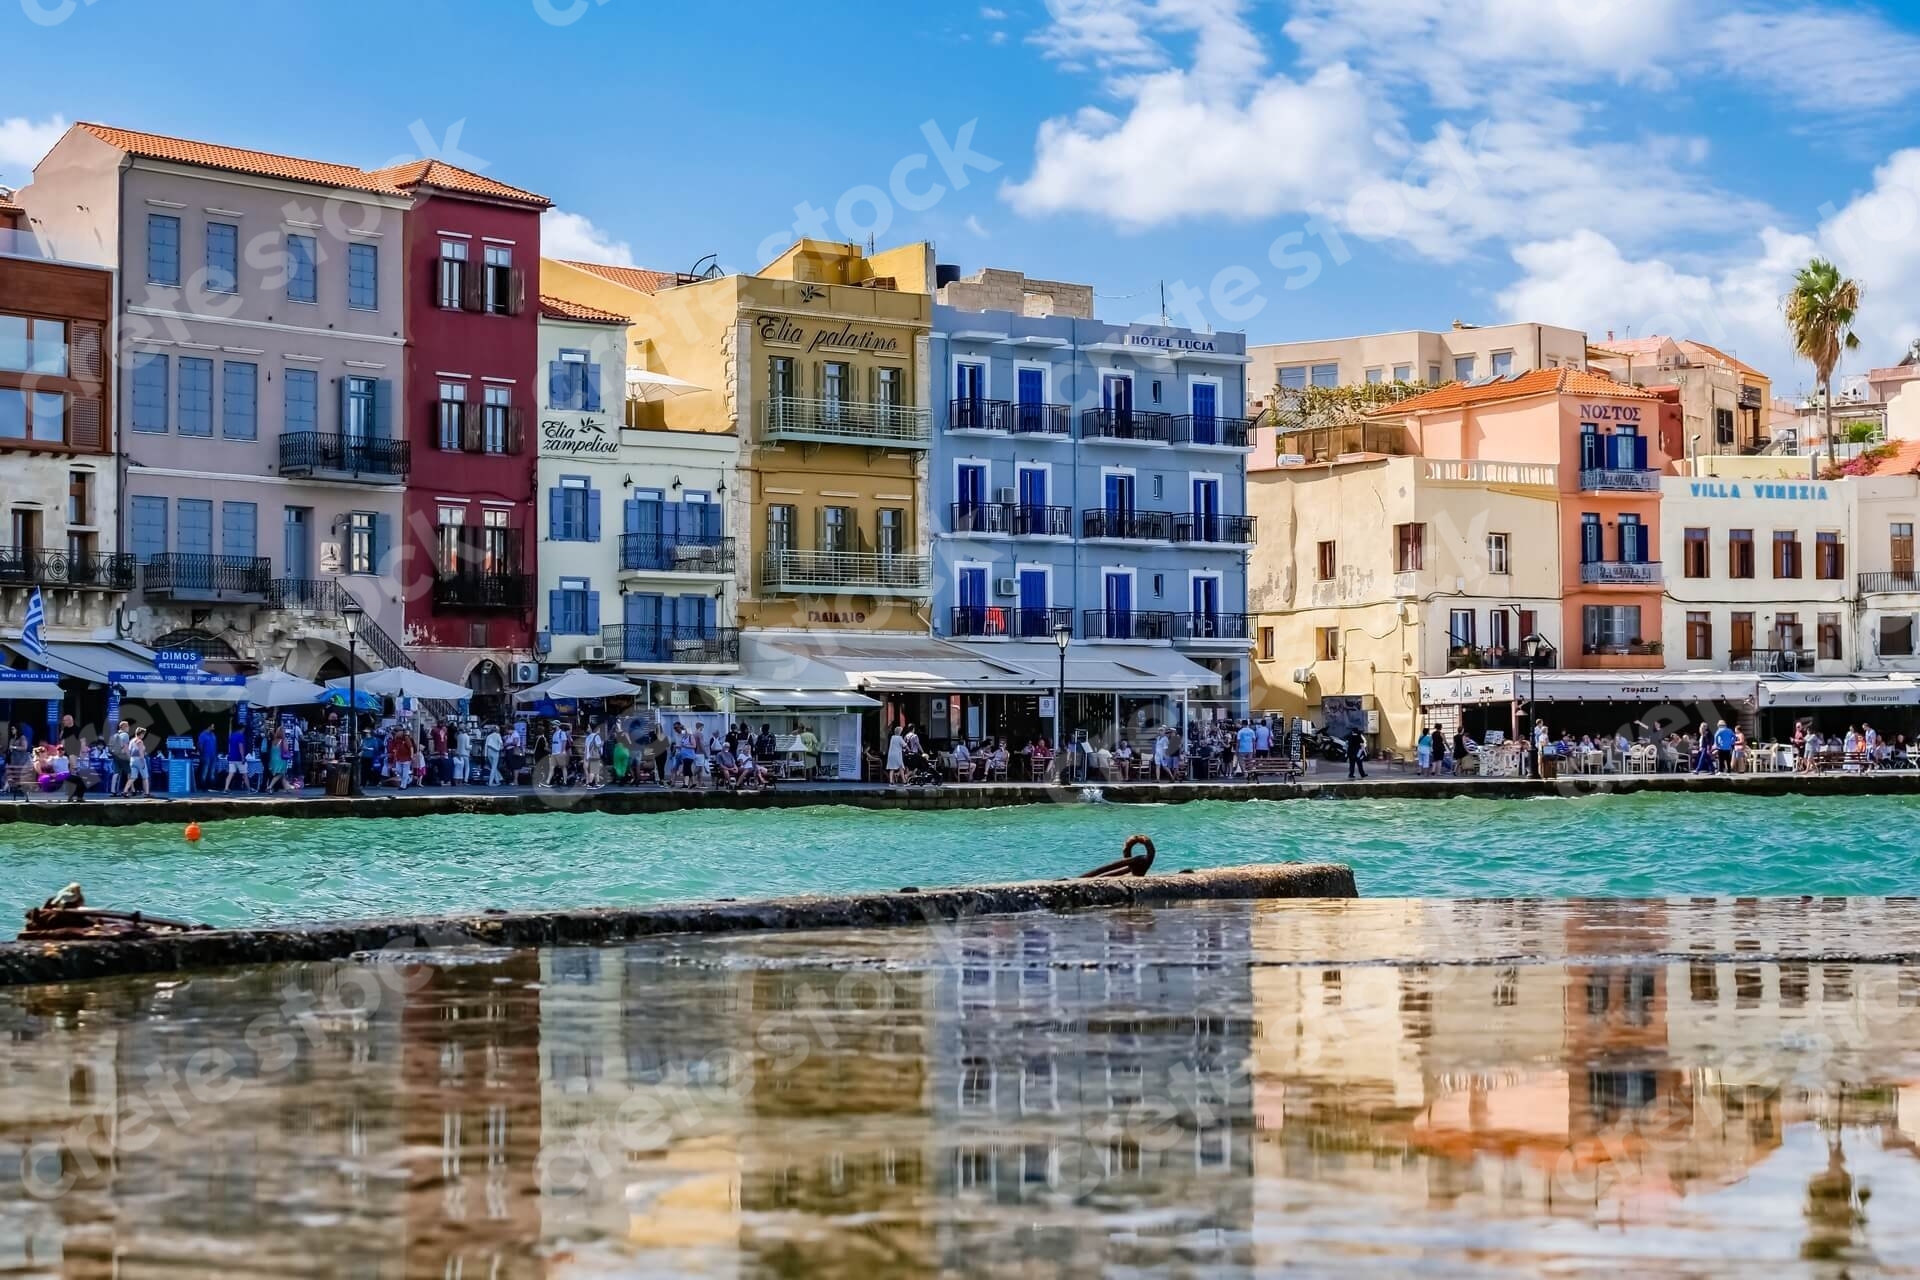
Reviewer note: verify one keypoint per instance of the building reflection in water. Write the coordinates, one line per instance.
(1204, 1089)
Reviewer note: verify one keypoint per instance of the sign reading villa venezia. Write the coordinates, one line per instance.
(1773, 492)
(574, 437)
(845, 338)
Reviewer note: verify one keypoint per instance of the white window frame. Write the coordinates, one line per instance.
(1045, 469)
(985, 464)
(1131, 574)
(1374, 376)
(1220, 587)
(1031, 566)
(953, 375)
(986, 565)
(1506, 555)
(1217, 477)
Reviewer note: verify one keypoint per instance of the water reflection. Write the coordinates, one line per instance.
(1681, 1088)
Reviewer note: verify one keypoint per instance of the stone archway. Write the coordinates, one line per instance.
(487, 690)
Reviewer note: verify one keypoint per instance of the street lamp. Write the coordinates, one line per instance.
(351, 613)
(1062, 636)
(1535, 647)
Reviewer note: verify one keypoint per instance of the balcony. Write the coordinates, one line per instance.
(1042, 522)
(1043, 421)
(1211, 431)
(1884, 584)
(984, 519)
(1773, 661)
(1210, 527)
(997, 622)
(995, 416)
(1619, 480)
(1208, 628)
(1473, 658)
(32, 567)
(1543, 475)
(1109, 624)
(1127, 526)
(878, 426)
(861, 573)
(318, 597)
(326, 455)
(1126, 426)
(670, 644)
(488, 591)
(1615, 573)
(1330, 444)
(1622, 657)
(207, 578)
(675, 553)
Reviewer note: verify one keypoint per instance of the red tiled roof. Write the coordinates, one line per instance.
(565, 309)
(1732, 361)
(1904, 460)
(1456, 395)
(11, 209)
(638, 279)
(449, 177)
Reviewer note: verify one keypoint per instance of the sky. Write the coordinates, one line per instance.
(1287, 168)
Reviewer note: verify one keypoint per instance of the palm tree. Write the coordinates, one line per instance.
(1820, 310)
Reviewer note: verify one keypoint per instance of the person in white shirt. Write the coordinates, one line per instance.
(462, 754)
(493, 747)
(557, 755)
(591, 751)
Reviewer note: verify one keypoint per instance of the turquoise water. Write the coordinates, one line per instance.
(274, 869)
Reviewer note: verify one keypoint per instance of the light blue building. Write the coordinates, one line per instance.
(1092, 476)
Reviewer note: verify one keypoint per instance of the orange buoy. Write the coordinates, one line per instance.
(193, 833)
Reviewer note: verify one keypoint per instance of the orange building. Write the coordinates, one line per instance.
(1605, 440)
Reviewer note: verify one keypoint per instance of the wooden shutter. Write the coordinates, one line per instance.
(83, 354)
(473, 287)
(83, 422)
(514, 430)
(471, 421)
(516, 291)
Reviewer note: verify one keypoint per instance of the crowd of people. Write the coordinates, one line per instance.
(1222, 750)
(1718, 747)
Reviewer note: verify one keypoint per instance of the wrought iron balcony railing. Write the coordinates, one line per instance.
(1620, 479)
(1127, 624)
(846, 572)
(1215, 626)
(1620, 572)
(1133, 526)
(690, 645)
(1043, 420)
(1474, 658)
(992, 621)
(1213, 431)
(1881, 584)
(980, 517)
(675, 553)
(979, 415)
(33, 567)
(848, 422)
(322, 453)
(1208, 526)
(1042, 522)
(173, 576)
(1773, 661)
(1129, 426)
(506, 592)
(317, 596)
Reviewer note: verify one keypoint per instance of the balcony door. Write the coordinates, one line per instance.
(693, 618)
(1633, 540)
(1206, 509)
(970, 495)
(969, 389)
(1033, 603)
(1206, 424)
(644, 517)
(1591, 455)
(1030, 391)
(1033, 500)
(296, 543)
(1116, 394)
(1206, 606)
(641, 613)
(1119, 496)
(1591, 550)
(194, 538)
(836, 529)
(1119, 605)
(833, 389)
(971, 588)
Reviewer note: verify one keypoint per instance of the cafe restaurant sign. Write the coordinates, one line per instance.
(1467, 690)
(578, 435)
(828, 337)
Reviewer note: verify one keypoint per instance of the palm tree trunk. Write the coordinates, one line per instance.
(1826, 411)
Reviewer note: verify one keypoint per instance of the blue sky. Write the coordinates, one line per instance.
(1293, 168)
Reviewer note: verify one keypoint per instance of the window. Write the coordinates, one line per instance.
(1156, 391)
(13, 343)
(303, 280)
(223, 257)
(79, 497)
(453, 273)
(1632, 540)
(1433, 374)
(1463, 368)
(886, 387)
(1403, 373)
(300, 392)
(573, 383)
(1829, 561)
(240, 400)
(1291, 377)
(573, 511)
(1266, 644)
(1376, 376)
(1328, 643)
(358, 422)
(780, 377)
(149, 392)
(363, 277)
(25, 535)
(1700, 636)
(361, 556)
(1697, 560)
(1739, 553)
(1740, 648)
(1723, 426)
(496, 424)
(1497, 553)
(32, 415)
(1610, 627)
(890, 524)
(163, 249)
(1502, 363)
(780, 524)
(1460, 629)
(1896, 636)
(453, 415)
(570, 608)
(1900, 543)
(1410, 548)
(499, 300)
(836, 529)
(1529, 624)
(1786, 553)
(240, 530)
(194, 406)
(1328, 561)
(1499, 636)
(1787, 635)
(452, 519)
(1326, 375)
(1830, 637)
(147, 522)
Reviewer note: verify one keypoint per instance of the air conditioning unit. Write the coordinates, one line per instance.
(1003, 586)
(526, 673)
(593, 653)
(1302, 675)
(1005, 495)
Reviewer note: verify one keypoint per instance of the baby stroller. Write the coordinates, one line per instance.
(922, 772)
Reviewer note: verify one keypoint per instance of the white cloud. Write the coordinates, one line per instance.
(1822, 61)
(992, 14)
(997, 37)
(22, 143)
(571, 235)
(974, 225)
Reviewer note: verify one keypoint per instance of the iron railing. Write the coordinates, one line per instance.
(1877, 584)
(1135, 526)
(174, 576)
(1215, 626)
(981, 517)
(1620, 479)
(1128, 624)
(847, 422)
(863, 572)
(33, 567)
(666, 642)
(1773, 661)
(1213, 431)
(1474, 658)
(1630, 572)
(306, 453)
(1008, 622)
(1137, 426)
(979, 415)
(1043, 420)
(1042, 522)
(479, 590)
(317, 596)
(675, 553)
(1210, 526)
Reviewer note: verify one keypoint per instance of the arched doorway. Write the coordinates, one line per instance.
(487, 691)
(194, 640)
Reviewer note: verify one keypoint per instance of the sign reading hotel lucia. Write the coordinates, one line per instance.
(1765, 491)
(578, 435)
(1165, 342)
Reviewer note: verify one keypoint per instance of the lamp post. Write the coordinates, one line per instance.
(351, 612)
(1536, 647)
(1062, 636)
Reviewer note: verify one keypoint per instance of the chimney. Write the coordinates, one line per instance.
(1609, 335)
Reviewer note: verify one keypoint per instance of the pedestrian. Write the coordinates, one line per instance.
(493, 746)
(117, 758)
(592, 756)
(1423, 749)
(400, 752)
(138, 775)
(1356, 754)
(236, 759)
(897, 758)
(462, 754)
(1246, 742)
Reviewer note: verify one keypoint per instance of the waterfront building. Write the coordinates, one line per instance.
(261, 349)
(1463, 353)
(1723, 401)
(1886, 610)
(1092, 477)
(57, 428)
(662, 558)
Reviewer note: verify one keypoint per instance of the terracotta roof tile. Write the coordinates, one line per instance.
(11, 209)
(565, 309)
(1538, 382)
(1904, 460)
(638, 279)
(265, 164)
(449, 177)
(1734, 361)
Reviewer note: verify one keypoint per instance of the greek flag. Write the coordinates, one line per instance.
(30, 637)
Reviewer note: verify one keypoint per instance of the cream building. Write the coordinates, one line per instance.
(1464, 353)
(1372, 573)
(1724, 403)
(1886, 509)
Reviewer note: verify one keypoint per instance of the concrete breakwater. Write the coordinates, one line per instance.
(39, 962)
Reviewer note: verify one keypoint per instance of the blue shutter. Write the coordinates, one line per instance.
(149, 527)
(1640, 453)
(670, 522)
(557, 612)
(593, 613)
(382, 425)
(341, 417)
(556, 522)
(559, 385)
(593, 388)
(630, 516)
(710, 524)
(593, 515)
(239, 527)
(382, 539)
(196, 526)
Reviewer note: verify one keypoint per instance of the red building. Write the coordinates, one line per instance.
(472, 262)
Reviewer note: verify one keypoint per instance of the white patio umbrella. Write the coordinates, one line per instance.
(644, 384)
(274, 687)
(403, 682)
(579, 684)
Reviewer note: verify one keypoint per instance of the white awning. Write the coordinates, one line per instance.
(1644, 688)
(926, 664)
(1839, 693)
(91, 661)
(803, 699)
(181, 691)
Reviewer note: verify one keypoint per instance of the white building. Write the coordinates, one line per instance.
(645, 590)
(1464, 353)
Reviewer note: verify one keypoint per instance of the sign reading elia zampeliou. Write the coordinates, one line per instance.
(578, 435)
(826, 337)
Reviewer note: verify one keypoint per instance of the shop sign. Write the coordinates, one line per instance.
(845, 337)
(577, 435)
(1889, 694)
(1769, 492)
(1290, 460)
(1168, 342)
(176, 664)
(844, 617)
(1444, 691)
(1609, 413)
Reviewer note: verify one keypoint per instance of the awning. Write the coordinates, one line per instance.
(1839, 693)
(926, 664)
(182, 691)
(1633, 687)
(1468, 688)
(90, 661)
(803, 700)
